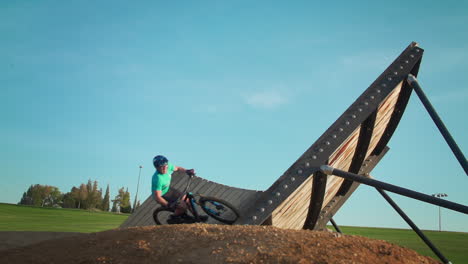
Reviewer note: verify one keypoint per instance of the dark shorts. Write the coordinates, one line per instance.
(172, 195)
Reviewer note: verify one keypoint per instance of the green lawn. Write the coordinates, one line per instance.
(453, 245)
(26, 218)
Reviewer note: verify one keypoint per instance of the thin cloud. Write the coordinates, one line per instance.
(266, 99)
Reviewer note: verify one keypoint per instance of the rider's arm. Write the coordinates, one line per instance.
(191, 171)
(160, 199)
(179, 169)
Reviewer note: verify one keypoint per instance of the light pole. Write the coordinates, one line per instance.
(439, 195)
(138, 186)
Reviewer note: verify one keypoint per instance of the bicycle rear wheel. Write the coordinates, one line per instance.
(161, 215)
(219, 210)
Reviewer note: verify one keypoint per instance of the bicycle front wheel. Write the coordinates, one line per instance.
(161, 215)
(219, 210)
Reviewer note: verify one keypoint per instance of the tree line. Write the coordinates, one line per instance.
(86, 196)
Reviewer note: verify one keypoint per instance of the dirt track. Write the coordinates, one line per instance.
(202, 243)
(15, 239)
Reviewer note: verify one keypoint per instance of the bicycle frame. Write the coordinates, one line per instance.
(190, 199)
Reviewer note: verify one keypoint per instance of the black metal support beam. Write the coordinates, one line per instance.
(318, 195)
(337, 202)
(395, 189)
(413, 226)
(335, 226)
(440, 125)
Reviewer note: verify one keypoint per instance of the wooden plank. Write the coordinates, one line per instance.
(245, 199)
(341, 158)
(211, 189)
(384, 114)
(233, 196)
(196, 185)
(218, 191)
(287, 214)
(203, 189)
(139, 214)
(300, 212)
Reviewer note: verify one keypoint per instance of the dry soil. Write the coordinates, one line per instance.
(203, 243)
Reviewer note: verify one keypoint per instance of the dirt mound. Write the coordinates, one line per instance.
(202, 243)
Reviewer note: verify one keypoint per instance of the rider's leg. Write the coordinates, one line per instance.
(181, 207)
(185, 204)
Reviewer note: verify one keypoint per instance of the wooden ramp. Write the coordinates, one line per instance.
(143, 216)
(355, 142)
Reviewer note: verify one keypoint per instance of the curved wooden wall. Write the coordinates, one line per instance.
(237, 197)
(303, 197)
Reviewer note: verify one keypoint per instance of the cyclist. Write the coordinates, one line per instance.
(161, 191)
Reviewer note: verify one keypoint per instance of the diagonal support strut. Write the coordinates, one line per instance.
(381, 186)
(395, 189)
(413, 82)
(337, 228)
(413, 226)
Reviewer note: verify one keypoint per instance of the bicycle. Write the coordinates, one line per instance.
(216, 208)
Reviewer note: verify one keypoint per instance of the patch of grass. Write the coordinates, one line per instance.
(453, 245)
(27, 218)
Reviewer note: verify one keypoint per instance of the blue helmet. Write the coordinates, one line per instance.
(160, 160)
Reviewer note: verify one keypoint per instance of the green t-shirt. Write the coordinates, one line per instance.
(162, 182)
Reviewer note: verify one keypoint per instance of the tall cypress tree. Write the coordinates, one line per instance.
(89, 197)
(106, 201)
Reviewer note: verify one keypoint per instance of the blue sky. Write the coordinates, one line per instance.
(236, 90)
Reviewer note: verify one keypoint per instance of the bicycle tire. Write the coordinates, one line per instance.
(161, 215)
(220, 210)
